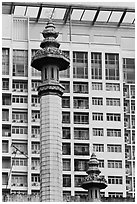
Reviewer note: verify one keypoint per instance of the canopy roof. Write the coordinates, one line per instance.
(38, 11)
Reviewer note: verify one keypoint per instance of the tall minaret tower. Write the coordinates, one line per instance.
(50, 60)
(94, 182)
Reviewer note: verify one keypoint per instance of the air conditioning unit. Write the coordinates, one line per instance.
(21, 121)
(33, 120)
(33, 104)
(133, 112)
(33, 135)
(33, 168)
(21, 90)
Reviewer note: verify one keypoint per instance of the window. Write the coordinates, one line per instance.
(113, 117)
(20, 86)
(5, 115)
(19, 180)
(19, 117)
(112, 87)
(132, 91)
(80, 87)
(22, 147)
(66, 180)
(34, 72)
(65, 102)
(66, 85)
(78, 180)
(133, 121)
(80, 65)
(113, 101)
(4, 178)
(35, 163)
(101, 163)
(6, 130)
(129, 70)
(34, 85)
(115, 180)
(81, 118)
(97, 116)
(81, 133)
(19, 130)
(66, 196)
(132, 106)
(97, 86)
(96, 66)
(81, 149)
(35, 147)
(113, 133)
(5, 61)
(35, 116)
(35, 100)
(114, 148)
(98, 132)
(115, 195)
(35, 130)
(35, 179)
(6, 99)
(112, 66)
(19, 99)
(20, 63)
(80, 165)
(66, 165)
(66, 149)
(65, 117)
(66, 133)
(98, 147)
(5, 146)
(114, 164)
(65, 73)
(97, 101)
(80, 103)
(19, 162)
(5, 84)
(6, 163)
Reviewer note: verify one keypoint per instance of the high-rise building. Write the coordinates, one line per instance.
(98, 105)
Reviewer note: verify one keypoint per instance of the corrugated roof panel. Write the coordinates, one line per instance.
(88, 15)
(115, 17)
(103, 16)
(59, 13)
(32, 12)
(19, 10)
(76, 14)
(129, 17)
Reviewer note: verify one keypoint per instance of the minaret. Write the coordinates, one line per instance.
(50, 60)
(94, 182)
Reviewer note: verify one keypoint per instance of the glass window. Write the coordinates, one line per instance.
(112, 66)
(80, 65)
(5, 61)
(96, 66)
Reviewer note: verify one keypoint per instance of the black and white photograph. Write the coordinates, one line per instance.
(68, 101)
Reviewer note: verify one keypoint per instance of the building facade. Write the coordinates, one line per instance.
(98, 105)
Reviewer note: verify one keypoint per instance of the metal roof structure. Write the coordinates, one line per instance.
(95, 15)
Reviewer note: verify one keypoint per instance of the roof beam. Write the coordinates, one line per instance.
(39, 13)
(122, 18)
(67, 14)
(96, 15)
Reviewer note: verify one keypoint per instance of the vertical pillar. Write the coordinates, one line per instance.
(51, 148)
(50, 60)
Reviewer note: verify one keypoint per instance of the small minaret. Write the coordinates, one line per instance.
(94, 182)
(50, 60)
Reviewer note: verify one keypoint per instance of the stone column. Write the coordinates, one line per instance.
(50, 60)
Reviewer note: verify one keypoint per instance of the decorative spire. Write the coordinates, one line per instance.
(50, 35)
(94, 179)
(50, 51)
